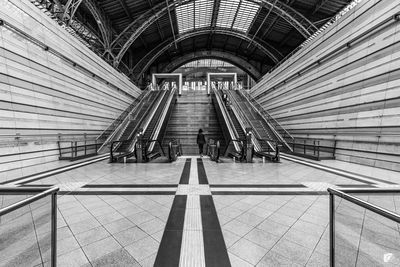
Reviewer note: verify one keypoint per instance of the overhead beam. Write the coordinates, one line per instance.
(69, 10)
(225, 56)
(137, 27)
(318, 5)
(151, 56)
(103, 23)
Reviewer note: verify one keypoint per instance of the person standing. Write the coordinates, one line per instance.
(201, 140)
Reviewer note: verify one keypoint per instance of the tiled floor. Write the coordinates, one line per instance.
(269, 215)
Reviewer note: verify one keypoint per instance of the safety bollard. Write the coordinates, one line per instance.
(124, 160)
(234, 159)
(263, 159)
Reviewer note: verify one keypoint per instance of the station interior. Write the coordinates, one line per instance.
(200, 133)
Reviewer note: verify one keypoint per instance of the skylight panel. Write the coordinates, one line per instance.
(207, 63)
(194, 15)
(245, 16)
(203, 13)
(227, 12)
(185, 17)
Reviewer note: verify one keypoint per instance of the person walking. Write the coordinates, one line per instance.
(201, 140)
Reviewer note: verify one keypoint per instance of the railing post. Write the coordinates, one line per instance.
(59, 149)
(314, 147)
(72, 149)
(76, 148)
(304, 146)
(332, 229)
(334, 148)
(293, 144)
(54, 229)
(111, 152)
(319, 147)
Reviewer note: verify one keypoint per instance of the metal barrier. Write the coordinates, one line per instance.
(311, 148)
(41, 193)
(77, 149)
(381, 212)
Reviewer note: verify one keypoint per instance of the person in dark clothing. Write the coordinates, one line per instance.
(201, 140)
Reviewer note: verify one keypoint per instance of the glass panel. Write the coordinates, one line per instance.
(185, 17)
(203, 13)
(207, 63)
(364, 238)
(25, 234)
(194, 15)
(227, 12)
(247, 12)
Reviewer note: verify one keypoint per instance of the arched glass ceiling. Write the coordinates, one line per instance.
(236, 14)
(233, 14)
(195, 15)
(207, 63)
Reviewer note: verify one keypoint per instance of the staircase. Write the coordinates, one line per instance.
(192, 111)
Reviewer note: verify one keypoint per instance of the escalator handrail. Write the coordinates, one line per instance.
(241, 114)
(112, 148)
(232, 131)
(178, 143)
(267, 117)
(148, 142)
(240, 142)
(166, 101)
(125, 121)
(263, 110)
(145, 115)
(133, 136)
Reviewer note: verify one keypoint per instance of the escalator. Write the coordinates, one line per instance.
(255, 121)
(233, 131)
(241, 116)
(126, 139)
(142, 135)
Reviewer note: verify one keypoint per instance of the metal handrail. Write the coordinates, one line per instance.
(362, 203)
(167, 104)
(123, 119)
(232, 131)
(145, 115)
(264, 113)
(50, 191)
(243, 118)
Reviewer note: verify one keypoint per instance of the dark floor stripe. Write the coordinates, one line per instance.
(258, 185)
(36, 185)
(99, 192)
(357, 185)
(128, 185)
(201, 172)
(170, 247)
(214, 245)
(249, 193)
(185, 173)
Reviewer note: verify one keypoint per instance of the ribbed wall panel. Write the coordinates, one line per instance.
(351, 95)
(43, 95)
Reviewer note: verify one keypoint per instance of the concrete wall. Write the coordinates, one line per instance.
(43, 94)
(349, 93)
